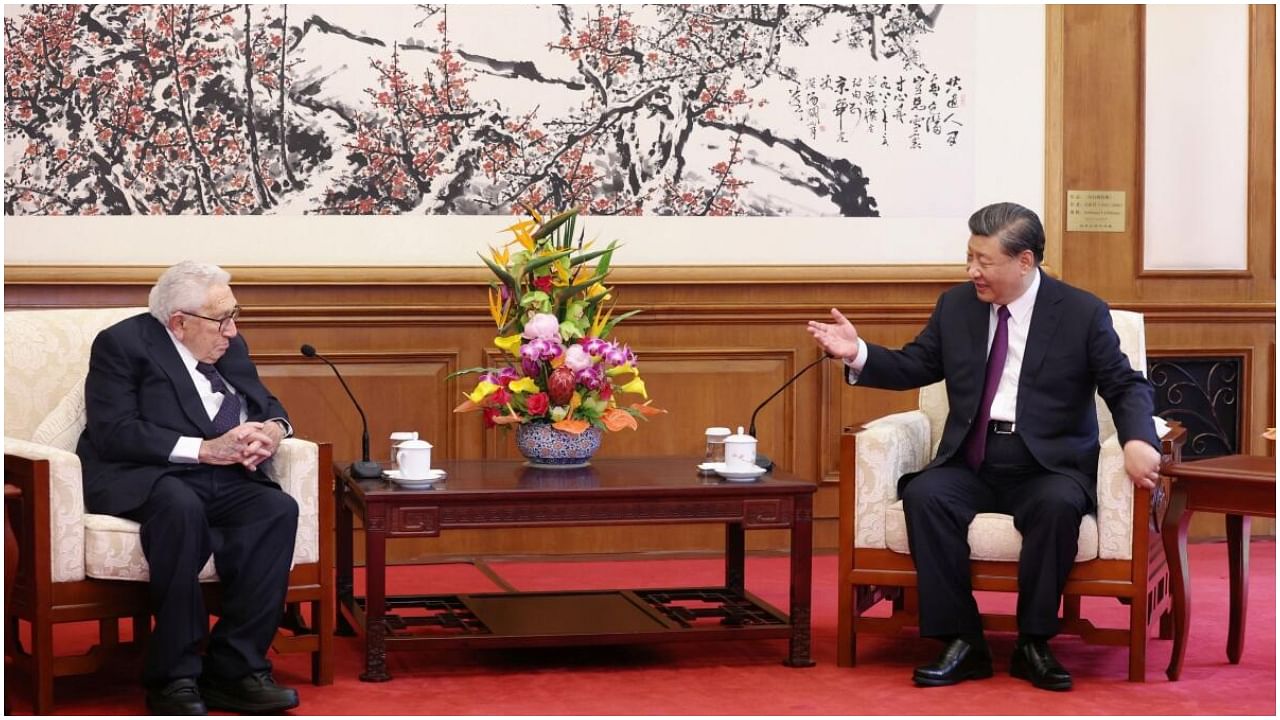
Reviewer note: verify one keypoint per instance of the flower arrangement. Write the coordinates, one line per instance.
(554, 318)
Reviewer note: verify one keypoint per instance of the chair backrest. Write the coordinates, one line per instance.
(46, 356)
(1133, 342)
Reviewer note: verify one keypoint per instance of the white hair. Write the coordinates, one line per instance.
(184, 286)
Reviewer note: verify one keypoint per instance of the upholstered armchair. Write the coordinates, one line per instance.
(75, 566)
(1119, 553)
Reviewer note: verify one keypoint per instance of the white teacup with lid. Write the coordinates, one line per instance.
(414, 459)
(740, 452)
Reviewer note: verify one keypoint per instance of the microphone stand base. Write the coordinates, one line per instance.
(366, 470)
(763, 461)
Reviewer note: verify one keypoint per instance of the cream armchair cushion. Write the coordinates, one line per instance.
(62, 427)
(46, 358)
(897, 444)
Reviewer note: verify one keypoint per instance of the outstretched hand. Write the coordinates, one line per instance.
(839, 339)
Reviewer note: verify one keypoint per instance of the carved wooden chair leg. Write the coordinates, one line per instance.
(293, 621)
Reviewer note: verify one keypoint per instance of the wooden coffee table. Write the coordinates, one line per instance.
(507, 494)
(1238, 485)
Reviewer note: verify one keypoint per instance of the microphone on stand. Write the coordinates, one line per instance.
(763, 460)
(364, 469)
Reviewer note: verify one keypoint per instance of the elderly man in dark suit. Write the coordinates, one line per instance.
(1022, 355)
(179, 425)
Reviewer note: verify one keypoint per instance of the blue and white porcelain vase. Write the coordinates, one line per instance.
(545, 446)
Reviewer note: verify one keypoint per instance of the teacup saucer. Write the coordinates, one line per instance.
(737, 475)
(413, 483)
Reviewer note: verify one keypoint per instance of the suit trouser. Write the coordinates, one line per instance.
(249, 529)
(1046, 508)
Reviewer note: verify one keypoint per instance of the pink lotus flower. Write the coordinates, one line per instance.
(542, 326)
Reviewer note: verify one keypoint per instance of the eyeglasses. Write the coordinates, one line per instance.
(222, 321)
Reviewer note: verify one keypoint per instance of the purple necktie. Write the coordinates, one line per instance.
(229, 413)
(976, 446)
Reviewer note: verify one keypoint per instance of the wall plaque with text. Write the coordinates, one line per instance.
(1095, 211)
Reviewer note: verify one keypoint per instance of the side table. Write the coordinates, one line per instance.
(1238, 485)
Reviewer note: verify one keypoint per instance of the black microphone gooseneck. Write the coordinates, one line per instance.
(763, 460)
(364, 469)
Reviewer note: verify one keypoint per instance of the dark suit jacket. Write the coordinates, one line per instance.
(139, 399)
(1072, 349)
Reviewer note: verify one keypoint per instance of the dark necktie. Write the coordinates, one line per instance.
(976, 446)
(229, 414)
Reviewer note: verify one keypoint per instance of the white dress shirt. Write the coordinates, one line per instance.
(1004, 405)
(187, 449)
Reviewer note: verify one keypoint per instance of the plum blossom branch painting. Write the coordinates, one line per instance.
(815, 110)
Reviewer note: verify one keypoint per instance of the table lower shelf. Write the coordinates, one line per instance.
(579, 617)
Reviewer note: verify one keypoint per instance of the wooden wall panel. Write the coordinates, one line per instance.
(398, 392)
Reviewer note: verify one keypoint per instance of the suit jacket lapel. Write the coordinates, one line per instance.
(160, 348)
(1044, 323)
(233, 366)
(979, 320)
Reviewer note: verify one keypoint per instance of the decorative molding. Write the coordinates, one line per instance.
(533, 514)
(419, 521)
(1054, 133)
(1262, 136)
(431, 275)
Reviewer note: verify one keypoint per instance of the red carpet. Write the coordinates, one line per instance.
(746, 678)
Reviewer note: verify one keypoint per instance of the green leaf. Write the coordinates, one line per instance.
(507, 278)
(602, 267)
(608, 327)
(550, 226)
(567, 292)
(544, 260)
(471, 371)
(587, 257)
(566, 234)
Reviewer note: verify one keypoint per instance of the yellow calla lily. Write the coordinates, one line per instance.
(616, 371)
(510, 343)
(483, 389)
(523, 385)
(636, 385)
(598, 289)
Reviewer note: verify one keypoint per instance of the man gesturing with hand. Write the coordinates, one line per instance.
(1022, 355)
(179, 426)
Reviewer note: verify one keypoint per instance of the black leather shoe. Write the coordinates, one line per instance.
(959, 661)
(179, 697)
(254, 693)
(1033, 661)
